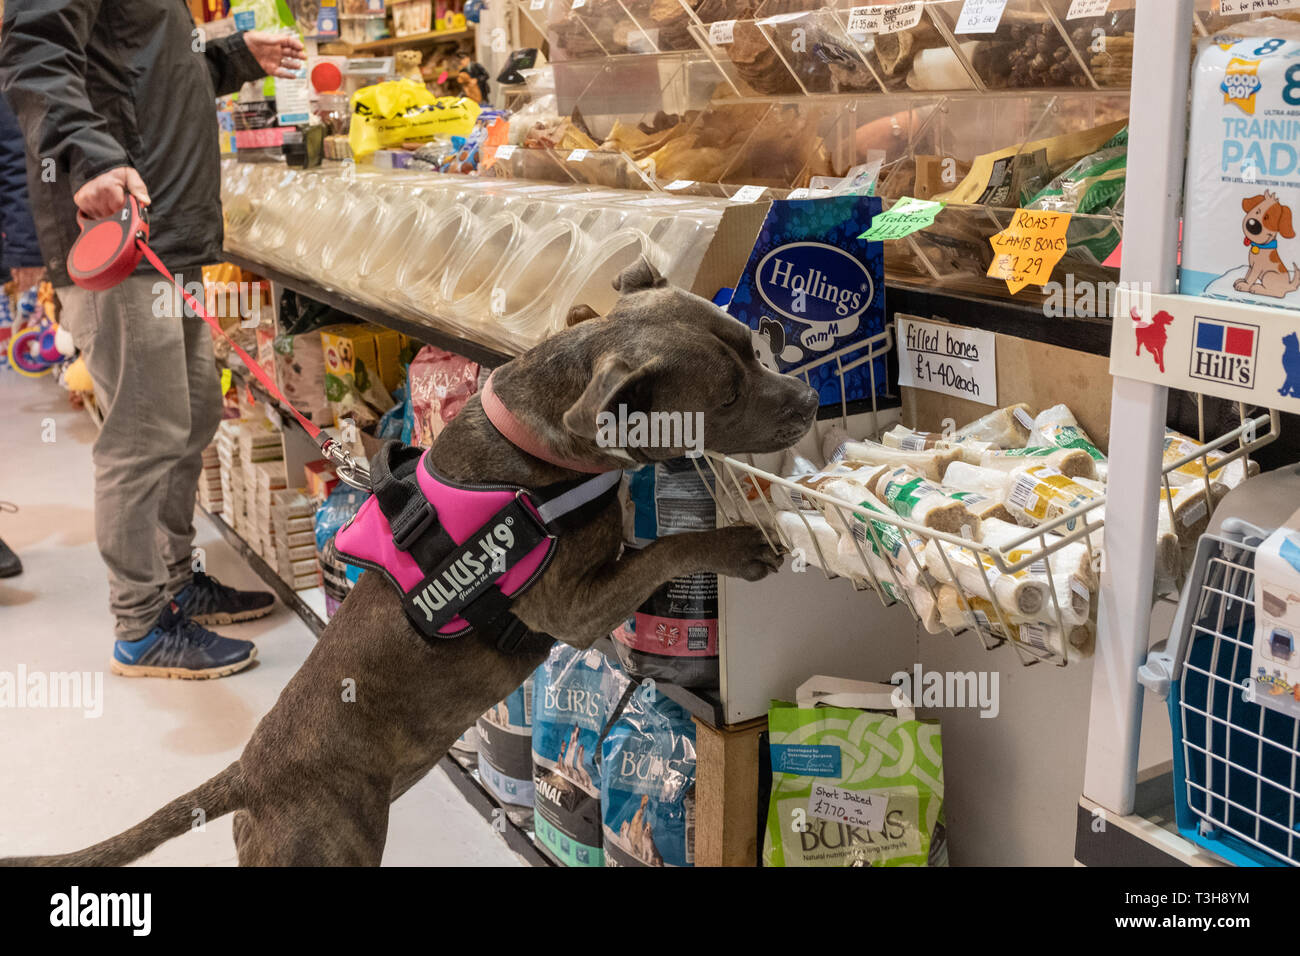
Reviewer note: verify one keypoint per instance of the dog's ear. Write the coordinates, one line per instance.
(614, 382)
(580, 313)
(1284, 221)
(1250, 203)
(775, 333)
(638, 277)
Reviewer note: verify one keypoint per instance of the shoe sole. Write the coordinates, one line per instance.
(238, 617)
(181, 673)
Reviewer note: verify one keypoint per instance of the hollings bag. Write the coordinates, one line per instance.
(857, 780)
(647, 783)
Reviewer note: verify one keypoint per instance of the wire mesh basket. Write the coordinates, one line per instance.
(1235, 761)
(1035, 589)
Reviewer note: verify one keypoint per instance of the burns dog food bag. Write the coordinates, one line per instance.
(1243, 178)
(647, 783)
(576, 693)
(674, 635)
(505, 747)
(857, 780)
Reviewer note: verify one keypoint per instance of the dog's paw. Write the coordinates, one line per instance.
(1241, 285)
(741, 551)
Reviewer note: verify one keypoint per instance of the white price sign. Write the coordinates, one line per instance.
(864, 20)
(536, 4)
(947, 359)
(504, 152)
(721, 33)
(1228, 7)
(578, 4)
(900, 16)
(1087, 8)
(857, 808)
(577, 156)
(748, 193)
(980, 16)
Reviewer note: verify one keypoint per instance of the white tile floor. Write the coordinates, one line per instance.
(69, 780)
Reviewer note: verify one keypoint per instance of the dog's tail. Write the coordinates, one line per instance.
(1294, 277)
(215, 798)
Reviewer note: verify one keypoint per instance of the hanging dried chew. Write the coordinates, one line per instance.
(893, 53)
(1006, 427)
(931, 464)
(926, 503)
(1071, 462)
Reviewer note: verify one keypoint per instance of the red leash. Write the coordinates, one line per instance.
(108, 250)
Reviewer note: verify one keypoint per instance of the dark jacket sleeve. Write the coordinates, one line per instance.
(230, 64)
(42, 73)
(20, 246)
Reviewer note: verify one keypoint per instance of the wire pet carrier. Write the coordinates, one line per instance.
(1236, 763)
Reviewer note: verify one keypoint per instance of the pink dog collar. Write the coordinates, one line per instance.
(518, 434)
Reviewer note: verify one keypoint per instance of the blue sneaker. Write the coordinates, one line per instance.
(177, 647)
(205, 600)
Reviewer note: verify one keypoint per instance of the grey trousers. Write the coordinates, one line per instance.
(156, 383)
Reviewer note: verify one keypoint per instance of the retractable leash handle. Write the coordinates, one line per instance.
(108, 250)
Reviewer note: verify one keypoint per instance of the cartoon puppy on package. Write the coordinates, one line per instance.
(1266, 219)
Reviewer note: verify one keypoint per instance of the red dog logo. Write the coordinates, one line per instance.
(1152, 335)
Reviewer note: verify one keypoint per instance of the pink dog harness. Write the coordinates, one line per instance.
(458, 553)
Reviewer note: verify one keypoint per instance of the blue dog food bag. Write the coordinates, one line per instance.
(505, 747)
(674, 634)
(647, 783)
(575, 695)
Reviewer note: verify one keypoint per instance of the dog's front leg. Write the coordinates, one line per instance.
(583, 611)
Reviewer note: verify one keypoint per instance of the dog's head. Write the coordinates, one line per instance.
(663, 351)
(1266, 218)
(1291, 343)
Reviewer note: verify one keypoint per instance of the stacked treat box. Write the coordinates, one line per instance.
(210, 494)
(259, 441)
(232, 476)
(262, 479)
(295, 543)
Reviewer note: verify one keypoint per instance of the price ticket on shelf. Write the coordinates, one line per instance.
(722, 32)
(857, 808)
(1229, 7)
(1079, 9)
(1026, 252)
(905, 217)
(885, 18)
(948, 359)
(577, 155)
(980, 16)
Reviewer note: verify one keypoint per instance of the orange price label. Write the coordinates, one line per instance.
(1028, 250)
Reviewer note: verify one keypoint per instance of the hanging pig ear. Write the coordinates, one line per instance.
(638, 277)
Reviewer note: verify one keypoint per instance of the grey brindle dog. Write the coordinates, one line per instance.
(315, 781)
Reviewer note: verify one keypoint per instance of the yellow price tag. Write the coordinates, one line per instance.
(225, 380)
(1028, 250)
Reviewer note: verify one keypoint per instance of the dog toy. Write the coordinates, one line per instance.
(38, 348)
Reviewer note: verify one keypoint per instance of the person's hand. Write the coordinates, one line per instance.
(278, 54)
(104, 195)
(27, 277)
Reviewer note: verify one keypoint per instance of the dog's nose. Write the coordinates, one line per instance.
(804, 403)
(1254, 227)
